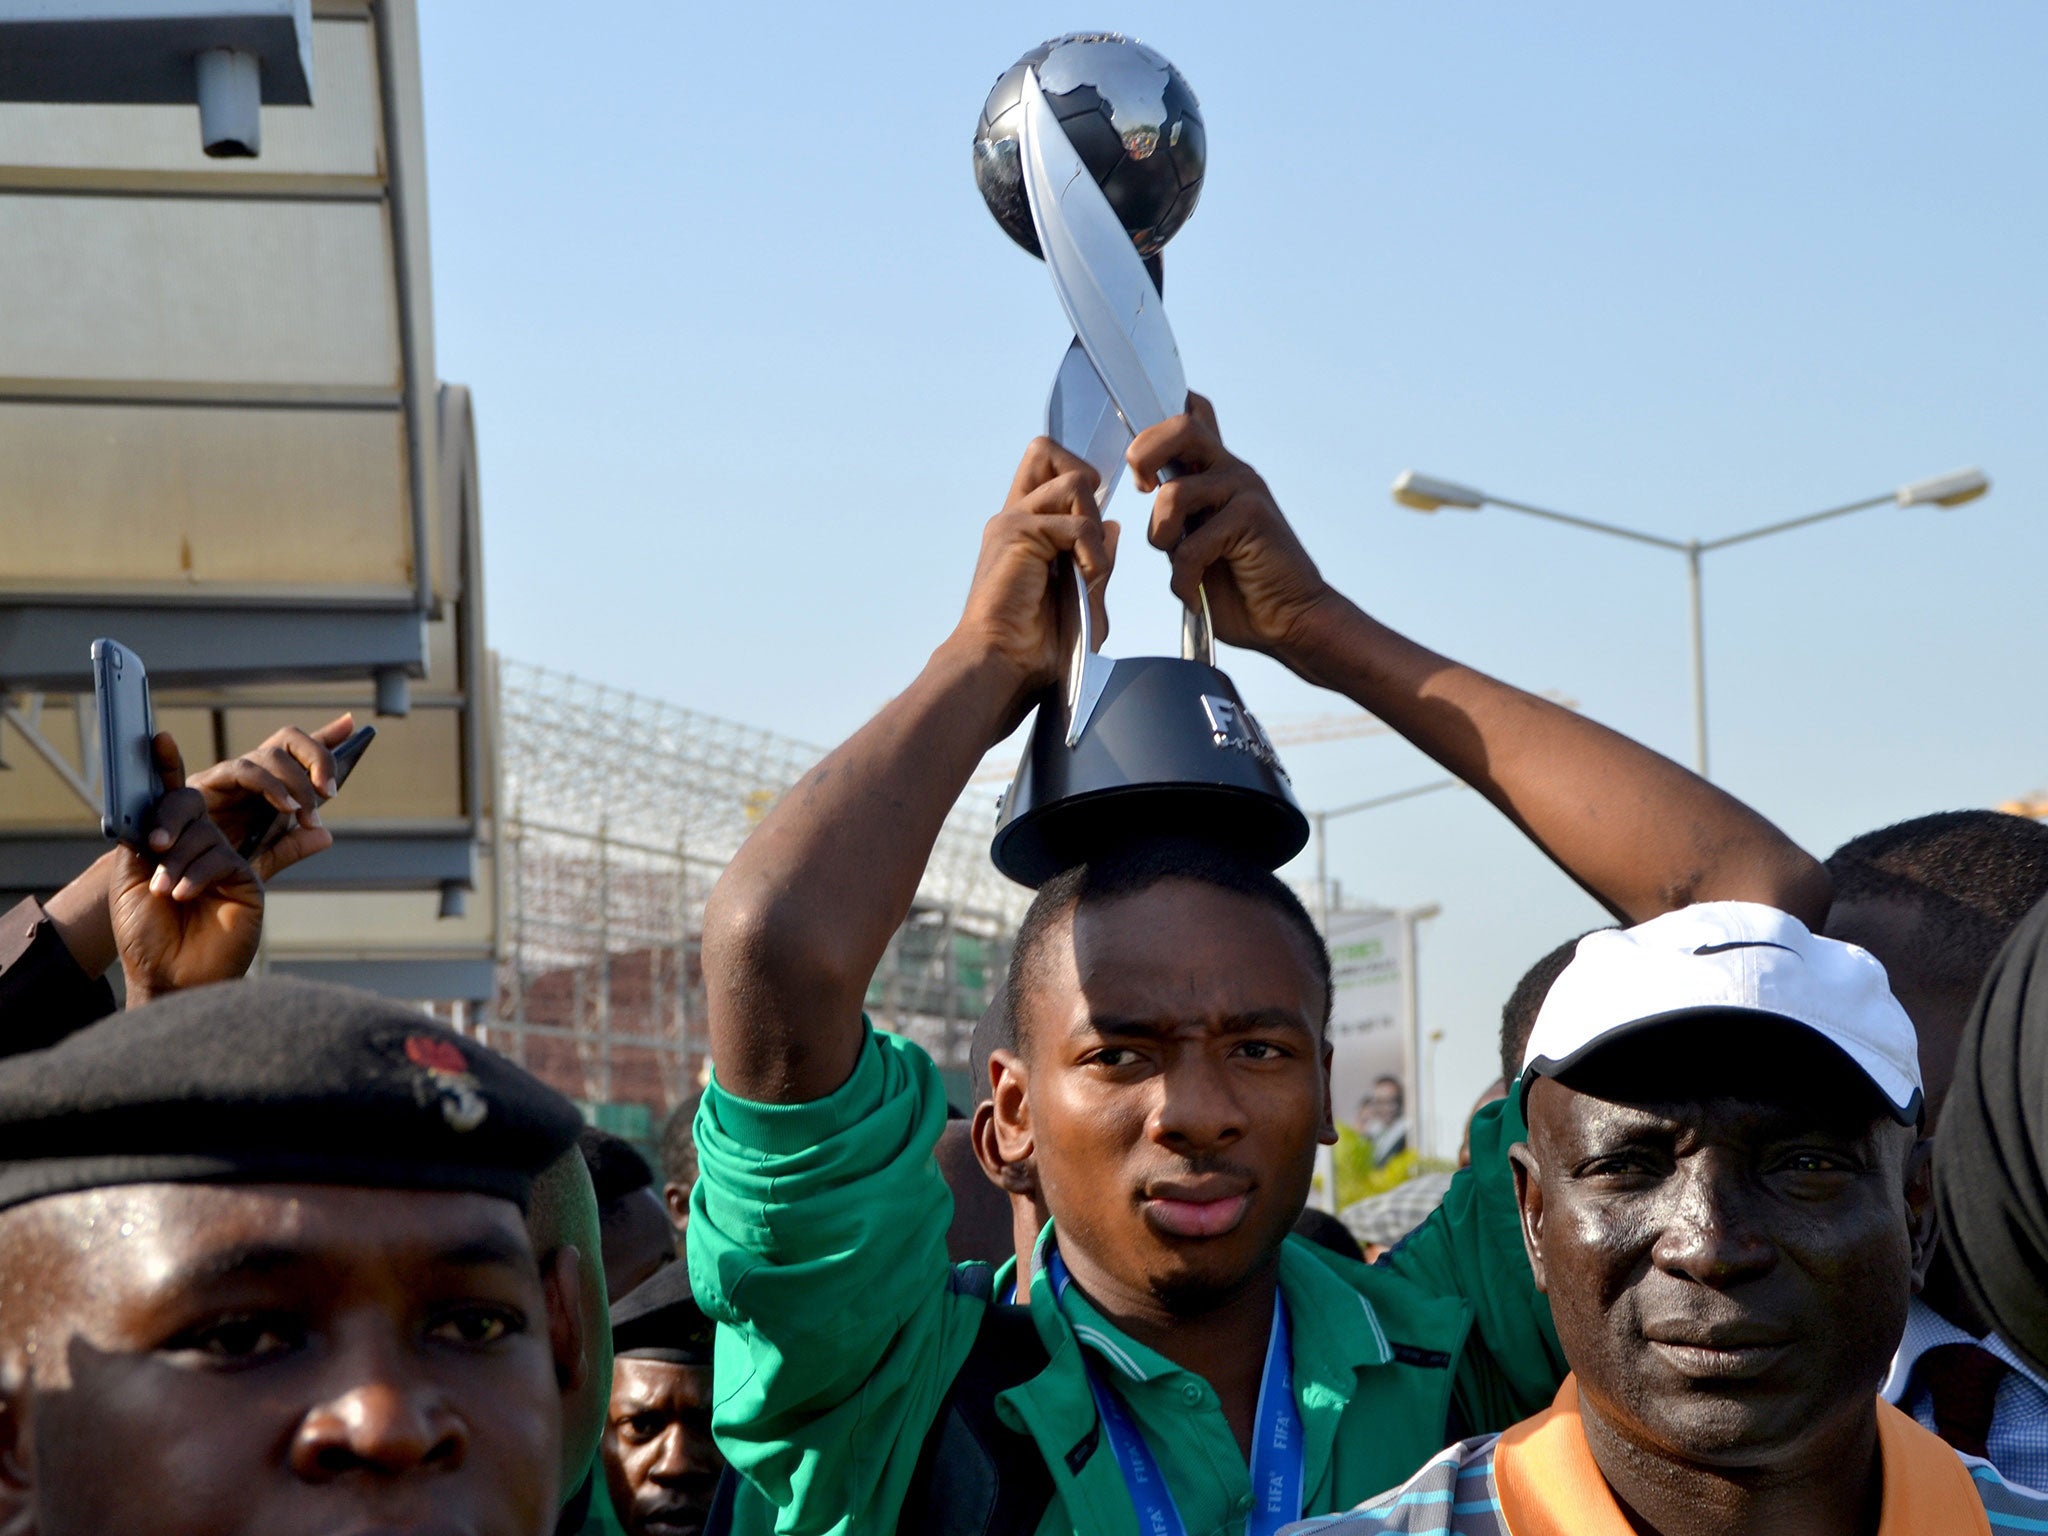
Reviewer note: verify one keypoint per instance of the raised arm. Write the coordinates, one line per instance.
(800, 919)
(1641, 834)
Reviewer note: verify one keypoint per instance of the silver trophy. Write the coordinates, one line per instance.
(1090, 153)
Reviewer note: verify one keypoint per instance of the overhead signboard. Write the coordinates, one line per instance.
(225, 446)
(217, 389)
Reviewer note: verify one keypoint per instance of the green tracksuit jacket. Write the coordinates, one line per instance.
(817, 1241)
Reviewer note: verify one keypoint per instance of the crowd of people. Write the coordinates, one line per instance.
(1751, 1236)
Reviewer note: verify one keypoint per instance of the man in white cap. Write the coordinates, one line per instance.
(1725, 1195)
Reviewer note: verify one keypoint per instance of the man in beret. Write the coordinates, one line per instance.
(661, 1465)
(1726, 1196)
(263, 1269)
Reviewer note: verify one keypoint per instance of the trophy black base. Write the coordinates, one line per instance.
(1168, 751)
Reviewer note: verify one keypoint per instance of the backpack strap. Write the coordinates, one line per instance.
(975, 1475)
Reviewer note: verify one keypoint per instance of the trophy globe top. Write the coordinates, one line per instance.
(1145, 746)
(1131, 118)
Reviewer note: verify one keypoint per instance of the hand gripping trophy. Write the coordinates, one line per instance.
(1090, 153)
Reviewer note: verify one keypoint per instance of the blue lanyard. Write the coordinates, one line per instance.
(1277, 1450)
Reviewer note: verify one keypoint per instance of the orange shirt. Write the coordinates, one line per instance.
(1548, 1484)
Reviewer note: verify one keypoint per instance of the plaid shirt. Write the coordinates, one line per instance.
(2018, 1442)
(1468, 1489)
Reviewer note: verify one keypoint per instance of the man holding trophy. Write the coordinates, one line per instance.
(1183, 1364)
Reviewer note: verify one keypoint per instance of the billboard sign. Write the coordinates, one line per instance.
(1371, 1034)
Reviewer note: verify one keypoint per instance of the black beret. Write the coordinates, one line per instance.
(659, 1319)
(274, 1082)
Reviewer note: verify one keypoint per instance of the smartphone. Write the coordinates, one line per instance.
(346, 756)
(129, 783)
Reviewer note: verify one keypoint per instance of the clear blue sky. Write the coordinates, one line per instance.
(753, 365)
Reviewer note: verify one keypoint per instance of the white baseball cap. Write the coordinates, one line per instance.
(1724, 957)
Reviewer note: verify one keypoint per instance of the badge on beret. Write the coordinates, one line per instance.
(449, 1079)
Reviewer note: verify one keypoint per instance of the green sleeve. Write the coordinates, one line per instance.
(817, 1241)
(1471, 1248)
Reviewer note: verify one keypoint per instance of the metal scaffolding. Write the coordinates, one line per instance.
(617, 814)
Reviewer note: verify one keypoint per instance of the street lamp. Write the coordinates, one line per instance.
(1425, 493)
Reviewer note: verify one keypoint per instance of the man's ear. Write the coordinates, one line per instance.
(1011, 1104)
(1326, 1133)
(1920, 1208)
(562, 1278)
(1013, 1178)
(677, 1199)
(1529, 1196)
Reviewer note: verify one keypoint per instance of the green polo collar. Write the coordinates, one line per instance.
(1339, 1346)
(1336, 1332)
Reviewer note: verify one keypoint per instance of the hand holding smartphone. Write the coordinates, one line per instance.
(129, 783)
(346, 756)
